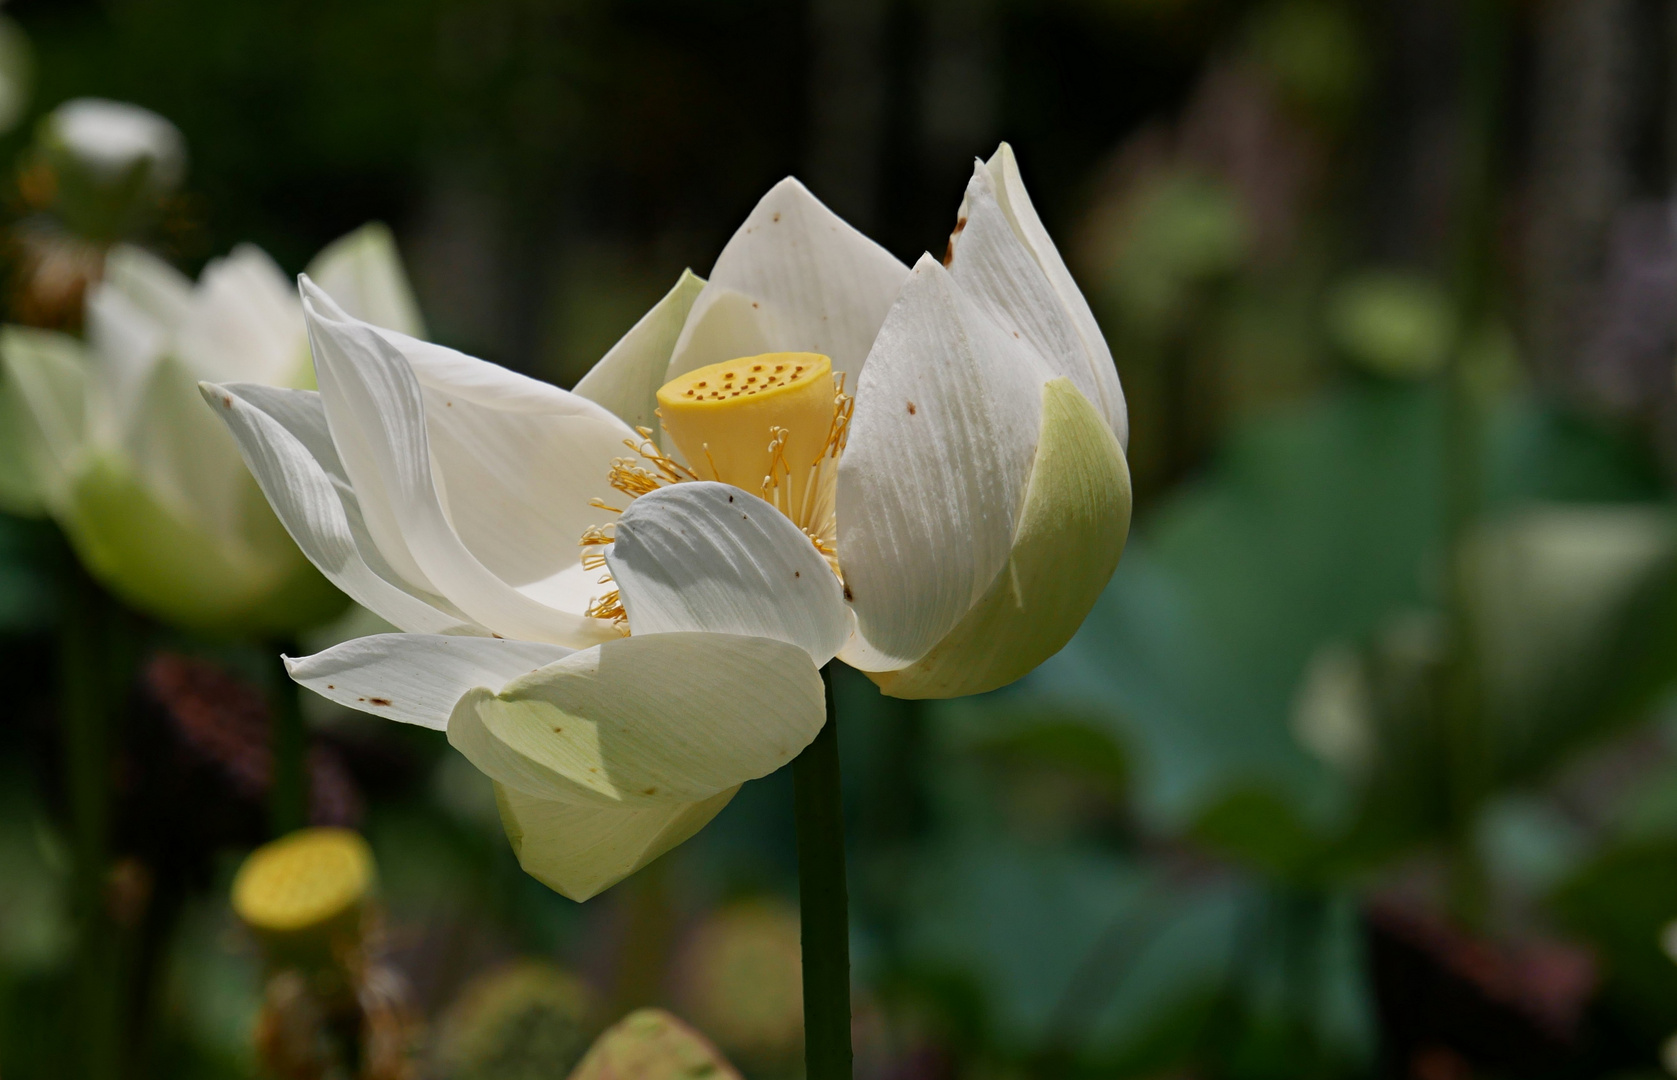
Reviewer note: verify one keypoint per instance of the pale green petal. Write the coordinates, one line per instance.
(1072, 531)
(363, 273)
(579, 851)
(45, 393)
(144, 552)
(20, 491)
(645, 720)
(626, 380)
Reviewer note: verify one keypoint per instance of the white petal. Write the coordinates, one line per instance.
(518, 463)
(997, 268)
(363, 273)
(933, 480)
(707, 556)
(283, 440)
(626, 380)
(794, 278)
(579, 851)
(1075, 348)
(185, 459)
(127, 344)
(417, 678)
(645, 721)
(376, 409)
(244, 324)
(163, 293)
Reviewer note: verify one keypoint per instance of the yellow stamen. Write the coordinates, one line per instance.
(774, 425)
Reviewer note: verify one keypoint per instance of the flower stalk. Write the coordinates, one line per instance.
(85, 708)
(288, 798)
(823, 901)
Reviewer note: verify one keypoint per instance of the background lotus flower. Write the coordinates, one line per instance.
(109, 437)
(105, 167)
(979, 508)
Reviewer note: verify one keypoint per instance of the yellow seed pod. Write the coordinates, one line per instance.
(304, 891)
(724, 418)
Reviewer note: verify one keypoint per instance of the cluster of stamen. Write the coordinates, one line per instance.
(809, 504)
(815, 513)
(633, 479)
(608, 605)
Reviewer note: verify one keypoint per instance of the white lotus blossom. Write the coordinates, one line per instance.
(917, 471)
(109, 436)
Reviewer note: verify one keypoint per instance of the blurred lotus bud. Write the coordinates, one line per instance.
(305, 896)
(328, 1010)
(740, 978)
(528, 1020)
(650, 1044)
(1392, 323)
(1333, 710)
(103, 168)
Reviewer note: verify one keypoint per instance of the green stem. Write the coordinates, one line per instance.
(823, 901)
(288, 800)
(1467, 738)
(84, 686)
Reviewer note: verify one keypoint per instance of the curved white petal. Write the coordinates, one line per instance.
(933, 480)
(645, 721)
(363, 272)
(626, 380)
(377, 411)
(997, 186)
(283, 439)
(794, 278)
(417, 678)
(243, 324)
(517, 464)
(708, 556)
(579, 851)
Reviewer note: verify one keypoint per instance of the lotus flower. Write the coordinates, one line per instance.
(918, 471)
(111, 439)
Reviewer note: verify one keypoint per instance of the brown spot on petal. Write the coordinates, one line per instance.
(949, 252)
(378, 701)
(911, 409)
